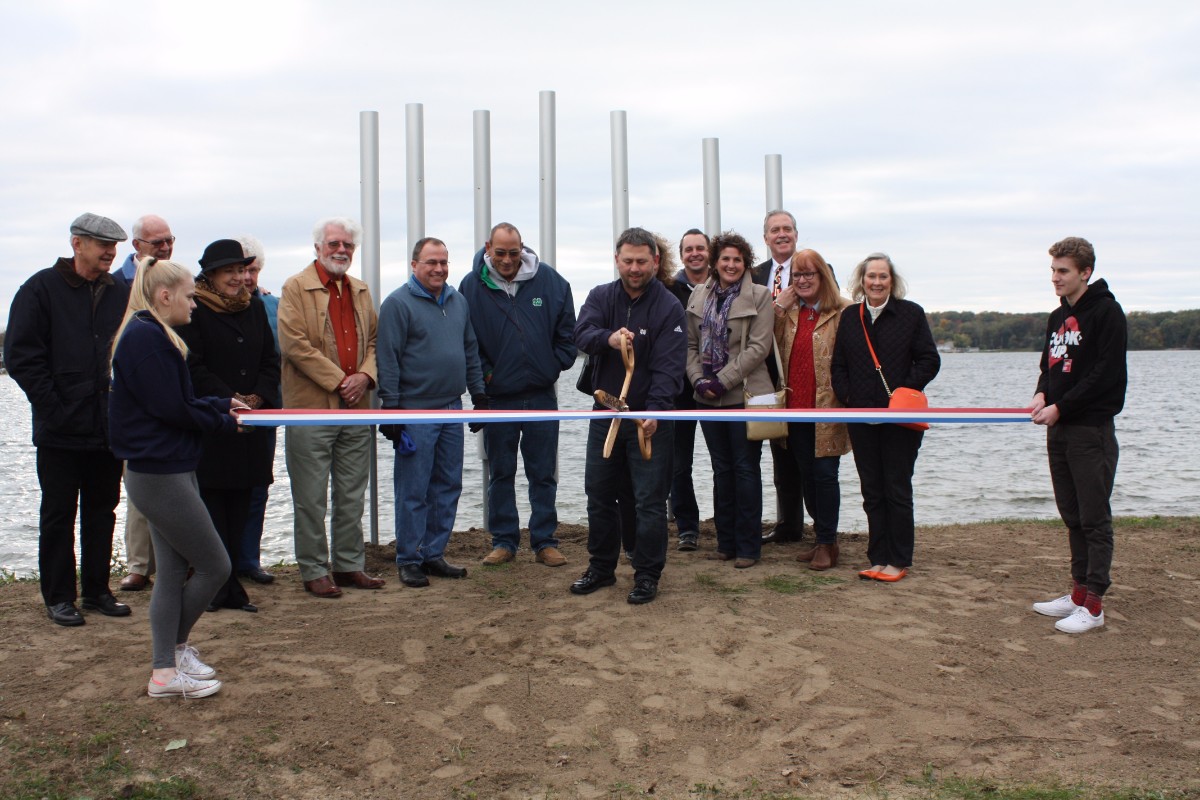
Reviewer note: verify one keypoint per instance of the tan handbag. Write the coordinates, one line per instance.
(761, 431)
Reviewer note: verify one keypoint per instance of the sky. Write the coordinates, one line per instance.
(961, 138)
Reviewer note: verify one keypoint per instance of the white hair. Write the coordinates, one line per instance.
(353, 228)
(252, 247)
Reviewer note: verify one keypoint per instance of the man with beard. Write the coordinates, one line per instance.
(327, 326)
(57, 349)
(637, 310)
(779, 233)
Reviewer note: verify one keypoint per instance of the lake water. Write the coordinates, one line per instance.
(965, 473)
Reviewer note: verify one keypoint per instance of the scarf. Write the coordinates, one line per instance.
(207, 294)
(714, 327)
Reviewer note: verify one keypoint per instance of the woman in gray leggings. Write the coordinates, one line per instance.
(156, 424)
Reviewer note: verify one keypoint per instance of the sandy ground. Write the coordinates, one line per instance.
(768, 682)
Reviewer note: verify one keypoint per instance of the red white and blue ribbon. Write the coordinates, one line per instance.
(300, 416)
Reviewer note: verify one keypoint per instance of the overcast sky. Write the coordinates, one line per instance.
(962, 138)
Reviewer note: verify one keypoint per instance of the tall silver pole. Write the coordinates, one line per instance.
(368, 149)
(712, 187)
(483, 176)
(547, 173)
(774, 168)
(482, 138)
(414, 164)
(619, 134)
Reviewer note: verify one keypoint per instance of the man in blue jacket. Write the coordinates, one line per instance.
(638, 309)
(58, 349)
(524, 320)
(427, 357)
(1080, 389)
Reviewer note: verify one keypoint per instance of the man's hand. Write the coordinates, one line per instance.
(353, 387)
(1047, 416)
(614, 339)
(1038, 403)
(649, 426)
(479, 402)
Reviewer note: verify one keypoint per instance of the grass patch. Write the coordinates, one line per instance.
(795, 584)
(709, 582)
(955, 788)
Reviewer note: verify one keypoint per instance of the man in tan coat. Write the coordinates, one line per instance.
(327, 328)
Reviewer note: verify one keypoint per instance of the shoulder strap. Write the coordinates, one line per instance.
(863, 319)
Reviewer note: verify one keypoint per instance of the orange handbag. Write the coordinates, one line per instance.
(902, 397)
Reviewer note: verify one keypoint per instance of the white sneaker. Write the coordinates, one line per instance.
(183, 685)
(188, 660)
(1080, 621)
(1060, 607)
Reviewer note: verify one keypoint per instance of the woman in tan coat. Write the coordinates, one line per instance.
(807, 313)
(729, 339)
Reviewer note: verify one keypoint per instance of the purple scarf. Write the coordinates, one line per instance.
(714, 327)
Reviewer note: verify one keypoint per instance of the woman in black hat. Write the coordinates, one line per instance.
(231, 354)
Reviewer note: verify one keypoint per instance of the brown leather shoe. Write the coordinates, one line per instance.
(497, 557)
(359, 579)
(824, 557)
(744, 563)
(807, 554)
(551, 557)
(322, 587)
(717, 555)
(134, 582)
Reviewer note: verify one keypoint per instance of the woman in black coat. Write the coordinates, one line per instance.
(884, 454)
(232, 354)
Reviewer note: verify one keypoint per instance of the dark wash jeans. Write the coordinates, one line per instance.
(1083, 467)
(538, 443)
(738, 481)
(88, 481)
(885, 456)
(651, 483)
(683, 491)
(819, 477)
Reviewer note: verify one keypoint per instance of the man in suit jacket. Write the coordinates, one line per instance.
(779, 233)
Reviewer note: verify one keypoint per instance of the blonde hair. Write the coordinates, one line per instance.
(153, 276)
(857, 293)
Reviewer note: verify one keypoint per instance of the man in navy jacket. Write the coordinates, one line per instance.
(57, 349)
(1080, 389)
(524, 320)
(643, 312)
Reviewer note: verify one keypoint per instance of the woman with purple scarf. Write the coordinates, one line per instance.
(730, 335)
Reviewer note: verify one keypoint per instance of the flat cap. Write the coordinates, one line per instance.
(97, 227)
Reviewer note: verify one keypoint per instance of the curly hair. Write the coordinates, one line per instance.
(1078, 250)
(724, 240)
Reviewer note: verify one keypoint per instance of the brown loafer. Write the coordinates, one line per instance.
(134, 582)
(359, 579)
(744, 563)
(719, 556)
(322, 587)
(551, 557)
(824, 557)
(497, 557)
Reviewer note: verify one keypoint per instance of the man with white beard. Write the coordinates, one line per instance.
(327, 328)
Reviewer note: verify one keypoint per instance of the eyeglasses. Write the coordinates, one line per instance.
(506, 253)
(434, 263)
(803, 276)
(158, 242)
(336, 245)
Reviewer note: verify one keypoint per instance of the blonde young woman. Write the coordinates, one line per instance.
(156, 424)
(807, 313)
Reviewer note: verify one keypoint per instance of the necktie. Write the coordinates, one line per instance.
(777, 287)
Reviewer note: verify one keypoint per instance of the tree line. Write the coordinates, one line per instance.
(994, 330)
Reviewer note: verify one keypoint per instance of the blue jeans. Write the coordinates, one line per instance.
(248, 553)
(427, 484)
(683, 493)
(538, 442)
(737, 479)
(651, 483)
(819, 478)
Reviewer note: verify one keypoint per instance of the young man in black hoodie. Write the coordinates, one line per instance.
(1080, 390)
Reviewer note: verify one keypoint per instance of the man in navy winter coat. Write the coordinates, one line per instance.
(524, 320)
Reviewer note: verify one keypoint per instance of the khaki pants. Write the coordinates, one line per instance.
(319, 456)
(139, 552)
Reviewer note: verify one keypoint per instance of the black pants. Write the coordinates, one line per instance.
(88, 481)
(1083, 466)
(603, 479)
(885, 456)
(788, 490)
(229, 509)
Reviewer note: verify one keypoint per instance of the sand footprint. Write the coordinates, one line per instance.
(499, 717)
(626, 742)
(380, 757)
